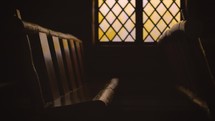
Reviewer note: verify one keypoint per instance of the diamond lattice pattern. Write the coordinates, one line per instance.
(116, 20)
(159, 16)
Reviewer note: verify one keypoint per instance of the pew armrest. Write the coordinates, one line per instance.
(107, 93)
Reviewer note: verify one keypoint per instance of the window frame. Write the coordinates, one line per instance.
(138, 25)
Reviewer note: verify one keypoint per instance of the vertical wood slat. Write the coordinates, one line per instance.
(40, 66)
(37, 85)
(80, 58)
(78, 69)
(49, 65)
(69, 66)
(60, 63)
(81, 66)
(75, 60)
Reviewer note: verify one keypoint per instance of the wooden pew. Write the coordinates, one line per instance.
(55, 81)
(191, 74)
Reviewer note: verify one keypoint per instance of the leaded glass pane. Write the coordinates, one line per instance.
(158, 16)
(116, 20)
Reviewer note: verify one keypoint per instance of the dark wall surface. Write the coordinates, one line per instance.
(75, 17)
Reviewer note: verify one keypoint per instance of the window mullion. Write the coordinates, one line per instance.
(139, 21)
(95, 24)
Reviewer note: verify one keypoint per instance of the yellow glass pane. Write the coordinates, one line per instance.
(110, 33)
(149, 39)
(133, 33)
(148, 9)
(116, 9)
(117, 39)
(145, 2)
(110, 3)
(100, 2)
(148, 25)
(104, 9)
(178, 17)
(104, 25)
(161, 25)
(122, 3)
(161, 9)
(133, 2)
(129, 39)
(167, 17)
(100, 33)
(174, 9)
(178, 2)
(145, 34)
(123, 17)
(100, 17)
(110, 17)
(155, 2)
(129, 9)
(155, 17)
(166, 29)
(129, 25)
(167, 3)
(172, 23)
(104, 39)
(145, 17)
(133, 18)
(155, 33)
(123, 33)
(117, 25)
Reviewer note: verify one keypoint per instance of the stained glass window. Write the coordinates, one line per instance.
(158, 16)
(117, 19)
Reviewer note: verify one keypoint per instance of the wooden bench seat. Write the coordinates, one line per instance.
(55, 78)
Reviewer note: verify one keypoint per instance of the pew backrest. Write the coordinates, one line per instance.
(58, 61)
